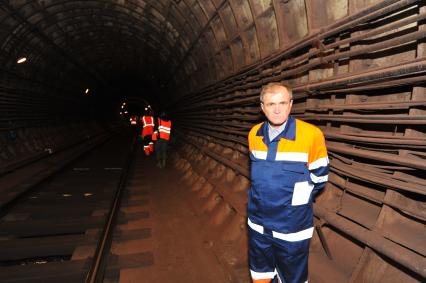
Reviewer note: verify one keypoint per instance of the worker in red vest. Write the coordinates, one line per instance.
(147, 131)
(162, 136)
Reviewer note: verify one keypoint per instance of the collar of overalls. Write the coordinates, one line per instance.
(288, 133)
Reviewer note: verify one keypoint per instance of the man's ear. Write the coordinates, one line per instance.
(261, 106)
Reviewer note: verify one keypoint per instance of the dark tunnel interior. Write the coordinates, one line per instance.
(73, 71)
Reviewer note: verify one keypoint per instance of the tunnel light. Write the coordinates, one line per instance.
(146, 108)
(86, 91)
(21, 60)
(121, 113)
(122, 106)
(149, 106)
(125, 112)
(124, 103)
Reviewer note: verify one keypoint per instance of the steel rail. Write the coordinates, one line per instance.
(97, 268)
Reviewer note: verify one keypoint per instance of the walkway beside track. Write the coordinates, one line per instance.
(170, 248)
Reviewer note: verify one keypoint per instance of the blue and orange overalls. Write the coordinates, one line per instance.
(286, 174)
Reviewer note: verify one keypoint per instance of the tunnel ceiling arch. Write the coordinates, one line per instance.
(184, 43)
(97, 39)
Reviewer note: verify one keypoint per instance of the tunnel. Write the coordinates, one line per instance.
(74, 74)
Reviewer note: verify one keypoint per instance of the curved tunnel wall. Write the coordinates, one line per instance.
(357, 68)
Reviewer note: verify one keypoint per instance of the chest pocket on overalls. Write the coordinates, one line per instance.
(298, 181)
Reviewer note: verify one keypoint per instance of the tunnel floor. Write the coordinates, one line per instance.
(179, 253)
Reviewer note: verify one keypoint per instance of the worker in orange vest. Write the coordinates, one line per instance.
(147, 131)
(162, 137)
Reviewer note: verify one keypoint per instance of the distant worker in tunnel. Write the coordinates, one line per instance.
(147, 132)
(162, 136)
(289, 166)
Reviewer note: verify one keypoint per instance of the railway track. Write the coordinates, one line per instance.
(61, 229)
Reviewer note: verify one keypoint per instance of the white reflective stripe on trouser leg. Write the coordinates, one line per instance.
(294, 237)
(262, 275)
(254, 226)
(291, 237)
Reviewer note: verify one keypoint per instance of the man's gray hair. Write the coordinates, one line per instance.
(267, 88)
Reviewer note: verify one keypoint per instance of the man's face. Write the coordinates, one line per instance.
(277, 105)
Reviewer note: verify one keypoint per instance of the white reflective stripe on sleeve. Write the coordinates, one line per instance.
(292, 156)
(255, 227)
(294, 237)
(259, 154)
(319, 163)
(262, 275)
(301, 193)
(319, 179)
